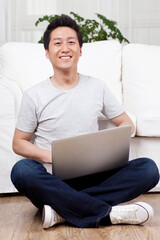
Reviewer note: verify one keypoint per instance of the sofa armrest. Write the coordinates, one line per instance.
(10, 98)
(11, 89)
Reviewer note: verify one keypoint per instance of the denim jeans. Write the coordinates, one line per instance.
(84, 201)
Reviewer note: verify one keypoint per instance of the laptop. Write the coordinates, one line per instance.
(91, 153)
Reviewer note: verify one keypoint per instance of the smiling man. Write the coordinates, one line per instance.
(64, 52)
(69, 104)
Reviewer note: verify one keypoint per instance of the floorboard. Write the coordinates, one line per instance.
(20, 220)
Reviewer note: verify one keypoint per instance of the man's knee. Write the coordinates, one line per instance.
(148, 170)
(152, 170)
(21, 171)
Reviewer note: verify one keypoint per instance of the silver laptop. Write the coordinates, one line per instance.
(91, 153)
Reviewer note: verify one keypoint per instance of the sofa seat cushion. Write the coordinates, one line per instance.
(141, 86)
(148, 126)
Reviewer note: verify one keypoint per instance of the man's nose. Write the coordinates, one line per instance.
(65, 47)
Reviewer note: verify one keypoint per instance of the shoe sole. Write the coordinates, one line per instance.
(46, 216)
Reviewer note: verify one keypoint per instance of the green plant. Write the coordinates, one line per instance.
(91, 29)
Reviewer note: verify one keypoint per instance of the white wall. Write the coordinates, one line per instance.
(139, 20)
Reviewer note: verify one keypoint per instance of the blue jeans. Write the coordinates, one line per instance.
(84, 201)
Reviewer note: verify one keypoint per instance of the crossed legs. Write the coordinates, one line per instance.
(85, 201)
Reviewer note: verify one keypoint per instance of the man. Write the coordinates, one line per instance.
(68, 104)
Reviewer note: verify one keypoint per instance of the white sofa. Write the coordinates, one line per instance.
(132, 72)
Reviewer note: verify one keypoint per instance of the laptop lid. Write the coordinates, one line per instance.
(91, 153)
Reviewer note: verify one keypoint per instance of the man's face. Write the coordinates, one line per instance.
(64, 49)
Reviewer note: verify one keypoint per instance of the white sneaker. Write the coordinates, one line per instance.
(136, 213)
(50, 217)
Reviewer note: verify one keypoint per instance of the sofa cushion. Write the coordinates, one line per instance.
(103, 60)
(26, 64)
(141, 86)
(148, 126)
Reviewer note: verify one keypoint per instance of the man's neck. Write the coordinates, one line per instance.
(65, 80)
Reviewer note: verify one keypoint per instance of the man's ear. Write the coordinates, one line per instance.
(80, 52)
(47, 54)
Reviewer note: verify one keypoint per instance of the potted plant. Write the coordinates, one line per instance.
(91, 29)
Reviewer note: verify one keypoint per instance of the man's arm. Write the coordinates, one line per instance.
(123, 120)
(23, 147)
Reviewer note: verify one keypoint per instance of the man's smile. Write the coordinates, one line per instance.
(65, 57)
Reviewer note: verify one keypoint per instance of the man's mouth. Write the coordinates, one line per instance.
(65, 57)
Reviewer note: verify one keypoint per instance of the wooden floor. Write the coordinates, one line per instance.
(20, 220)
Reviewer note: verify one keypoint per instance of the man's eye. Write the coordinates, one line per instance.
(58, 43)
(71, 42)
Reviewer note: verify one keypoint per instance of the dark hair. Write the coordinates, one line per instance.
(63, 21)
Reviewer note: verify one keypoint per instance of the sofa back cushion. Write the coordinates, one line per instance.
(26, 63)
(141, 86)
(103, 60)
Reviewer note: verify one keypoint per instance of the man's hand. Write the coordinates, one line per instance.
(47, 156)
(23, 147)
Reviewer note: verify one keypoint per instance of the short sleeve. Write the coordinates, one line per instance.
(27, 119)
(111, 107)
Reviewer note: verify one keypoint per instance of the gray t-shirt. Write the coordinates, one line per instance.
(55, 114)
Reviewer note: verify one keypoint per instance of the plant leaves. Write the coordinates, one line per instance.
(91, 29)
